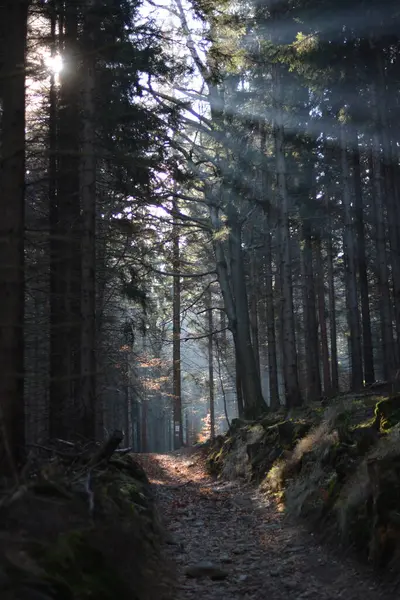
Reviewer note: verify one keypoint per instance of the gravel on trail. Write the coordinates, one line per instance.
(229, 541)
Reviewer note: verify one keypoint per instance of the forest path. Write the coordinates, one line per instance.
(247, 542)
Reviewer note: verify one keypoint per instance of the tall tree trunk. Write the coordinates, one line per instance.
(382, 270)
(251, 384)
(322, 315)
(239, 388)
(367, 347)
(55, 284)
(331, 298)
(144, 441)
(270, 315)
(255, 340)
(210, 327)
(225, 284)
(389, 160)
(310, 319)
(13, 32)
(88, 240)
(65, 318)
(332, 319)
(292, 389)
(269, 290)
(350, 269)
(176, 332)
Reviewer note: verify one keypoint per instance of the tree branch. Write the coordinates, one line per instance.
(171, 274)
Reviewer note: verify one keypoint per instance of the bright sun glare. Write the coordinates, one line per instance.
(54, 63)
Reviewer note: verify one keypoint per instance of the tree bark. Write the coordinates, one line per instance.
(310, 319)
(210, 327)
(389, 160)
(353, 315)
(176, 333)
(88, 240)
(255, 340)
(367, 347)
(292, 389)
(331, 296)
(251, 384)
(65, 318)
(239, 389)
(322, 315)
(13, 31)
(229, 304)
(271, 334)
(382, 270)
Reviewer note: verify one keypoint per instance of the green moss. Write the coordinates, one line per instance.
(77, 570)
(387, 413)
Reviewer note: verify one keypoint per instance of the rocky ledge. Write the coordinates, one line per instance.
(78, 526)
(337, 467)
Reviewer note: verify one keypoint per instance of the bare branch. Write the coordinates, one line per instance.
(207, 335)
(171, 274)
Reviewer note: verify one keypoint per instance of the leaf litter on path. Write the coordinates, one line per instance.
(230, 542)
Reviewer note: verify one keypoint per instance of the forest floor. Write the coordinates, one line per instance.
(230, 541)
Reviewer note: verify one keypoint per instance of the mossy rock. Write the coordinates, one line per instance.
(290, 432)
(78, 545)
(272, 419)
(220, 448)
(235, 425)
(365, 437)
(387, 413)
(277, 441)
(131, 467)
(77, 570)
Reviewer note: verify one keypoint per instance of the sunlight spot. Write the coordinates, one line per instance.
(54, 63)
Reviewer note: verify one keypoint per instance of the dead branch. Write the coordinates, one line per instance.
(107, 449)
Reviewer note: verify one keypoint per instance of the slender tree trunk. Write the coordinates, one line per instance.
(389, 185)
(239, 387)
(293, 395)
(278, 307)
(332, 320)
(56, 417)
(310, 320)
(367, 347)
(65, 317)
(13, 31)
(267, 194)
(88, 241)
(350, 270)
(211, 362)
(331, 299)
(128, 403)
(381, 262)
(139, 427)
(322, 316)
(255, 339)
(271, 335)
(144, 441)
(176, 319)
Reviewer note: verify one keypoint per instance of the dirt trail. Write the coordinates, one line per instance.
(254, 553)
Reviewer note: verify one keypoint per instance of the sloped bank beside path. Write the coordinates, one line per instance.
(231, 542)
